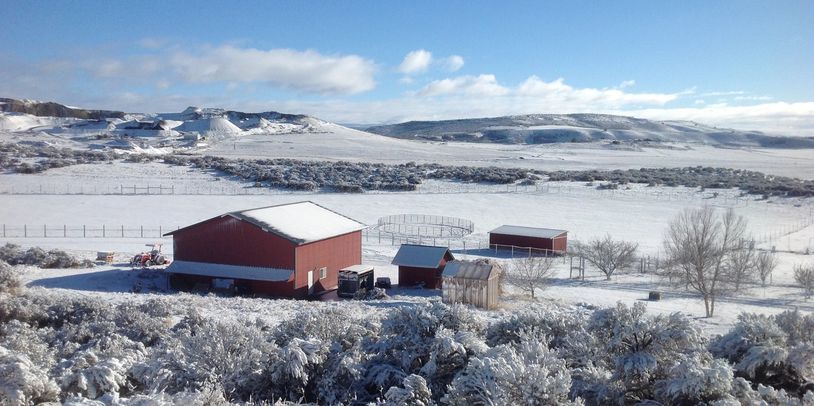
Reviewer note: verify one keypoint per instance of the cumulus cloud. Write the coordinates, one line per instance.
(416, 62)
(627, 83)
(558, 90)
(481, 85)
(300, 70)
(453, 63)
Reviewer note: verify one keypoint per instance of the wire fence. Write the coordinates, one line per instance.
(84, 231)
(726, 198)
(425, 225)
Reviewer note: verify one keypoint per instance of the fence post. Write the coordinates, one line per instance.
(103, 231)
(122, 230)
(83, 231)
(44, 231)
(159, 231)
(142, 231)
(64, 230)
(25, 230)
(4, 231)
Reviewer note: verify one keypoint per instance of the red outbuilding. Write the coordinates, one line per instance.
(547, 239)
(289, 250)
(421, 265)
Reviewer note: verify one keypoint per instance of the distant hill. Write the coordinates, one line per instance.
(557, 128)
(51, 109)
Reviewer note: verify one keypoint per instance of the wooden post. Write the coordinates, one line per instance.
(64, 230)
(44, 231)
(25, 230)
(83, 231)
(103, 231)
(142, 231)
(159, 231)
(122, 230)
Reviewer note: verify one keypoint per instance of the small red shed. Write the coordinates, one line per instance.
(552, 240)
(289, 250)
(421, 264)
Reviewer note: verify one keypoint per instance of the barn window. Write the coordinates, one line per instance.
(323, 273)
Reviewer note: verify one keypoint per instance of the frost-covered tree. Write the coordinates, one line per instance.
(765, 263)
(698, 244)
(608, 255)
(530, 273)
(414, 391)
(740, 268)
(804, 276)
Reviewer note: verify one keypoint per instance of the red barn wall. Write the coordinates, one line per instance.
(411, 276)
(227, 240)
(333, 253)
(556, 244)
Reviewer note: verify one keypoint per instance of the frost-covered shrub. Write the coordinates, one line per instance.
(22, 382)
(101, 367)
(697, 381)
(639, 350)
(528, 373)
(14, 255)
(539, 321)
(231, 354)
(772, 350)
(9, 282)
(414, 391)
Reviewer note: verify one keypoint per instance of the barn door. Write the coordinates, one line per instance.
(310, 282)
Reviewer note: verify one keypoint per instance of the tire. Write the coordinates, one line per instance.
(149, 263)
(160, 260)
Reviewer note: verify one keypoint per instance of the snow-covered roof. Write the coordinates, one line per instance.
(480, 270)
(300, 222)
(230, 271)
(357, 268)
(420, 256)
(528, 231)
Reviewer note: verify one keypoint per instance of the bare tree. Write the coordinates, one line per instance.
(741, 264)
(531, 273)
(608, 255)
(804, 276)
(765, 262)
(698, 243)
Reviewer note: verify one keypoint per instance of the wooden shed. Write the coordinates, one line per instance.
(421, 264)
(472, 282)
(289, 250)
(550, 240)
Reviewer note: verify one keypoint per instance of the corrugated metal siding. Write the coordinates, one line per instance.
(334, 253)
(227, 240)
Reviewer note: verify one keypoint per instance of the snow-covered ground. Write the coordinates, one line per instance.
(639, 214)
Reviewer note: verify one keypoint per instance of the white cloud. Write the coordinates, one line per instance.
(416, 62)
(300, 70)
(559, 91)
(481, 85)
(627, 83)
(453, 63)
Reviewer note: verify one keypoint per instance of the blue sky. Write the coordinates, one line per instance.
(745, 64)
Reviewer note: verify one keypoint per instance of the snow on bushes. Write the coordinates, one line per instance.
(79, 350)
(14, 255)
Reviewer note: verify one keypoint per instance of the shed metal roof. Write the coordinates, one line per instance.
(229, 271)
(470, 270)
(300, 222)
(529, 231)
(420, 256)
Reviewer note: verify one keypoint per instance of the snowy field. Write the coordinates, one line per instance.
(637, 214)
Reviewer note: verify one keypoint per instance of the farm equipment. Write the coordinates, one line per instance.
(150, 258)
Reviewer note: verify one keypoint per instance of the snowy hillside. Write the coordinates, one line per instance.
(557, 128)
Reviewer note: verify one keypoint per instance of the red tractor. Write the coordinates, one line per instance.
(150, 258)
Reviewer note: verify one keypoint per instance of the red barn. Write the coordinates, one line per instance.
(421, 264)
(529, 237)
(289, 250)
